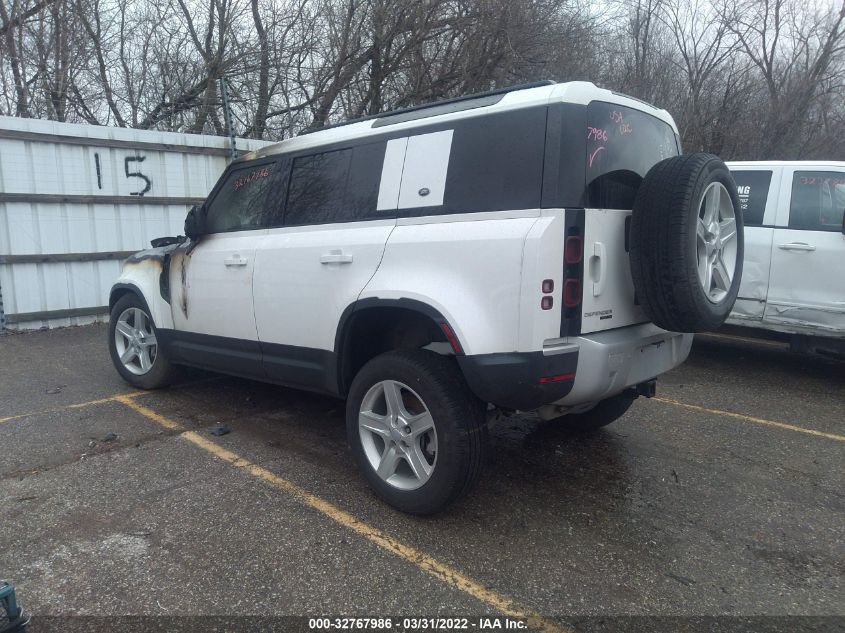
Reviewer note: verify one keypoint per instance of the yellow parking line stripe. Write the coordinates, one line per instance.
(421, 560)
(114, 398)
(76, 405)
(149, 413)
(749, 418)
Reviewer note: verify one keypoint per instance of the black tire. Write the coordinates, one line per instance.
(459, 420)
(663, 245)
(162, 372)
(604, 413)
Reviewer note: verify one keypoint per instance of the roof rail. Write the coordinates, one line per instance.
(434, 104)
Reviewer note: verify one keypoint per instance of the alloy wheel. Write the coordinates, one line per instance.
(398, 435)
(135, 341)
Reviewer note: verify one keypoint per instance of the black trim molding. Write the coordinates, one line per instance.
(218, 353)
(512, 380)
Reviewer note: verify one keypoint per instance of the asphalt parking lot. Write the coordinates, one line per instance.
(723, 496)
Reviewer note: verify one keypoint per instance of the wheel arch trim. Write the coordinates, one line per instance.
(356, 307)
(120, 289)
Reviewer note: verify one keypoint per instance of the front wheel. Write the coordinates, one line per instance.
(417, 432)
(134, 347)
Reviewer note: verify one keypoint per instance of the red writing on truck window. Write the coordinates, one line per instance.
(819, 180)
(254, 175)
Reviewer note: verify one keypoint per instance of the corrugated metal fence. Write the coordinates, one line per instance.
(75, 200)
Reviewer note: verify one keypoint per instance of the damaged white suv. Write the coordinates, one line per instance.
(542, 248)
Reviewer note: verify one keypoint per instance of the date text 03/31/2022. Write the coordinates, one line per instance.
(483, 623)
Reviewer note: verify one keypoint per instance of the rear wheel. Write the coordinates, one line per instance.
(133, 345)
(604, 413)
(417, 432)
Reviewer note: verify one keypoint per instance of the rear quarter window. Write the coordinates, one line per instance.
(622, 145)
(752, 187)
(485, 163)
(497, 162)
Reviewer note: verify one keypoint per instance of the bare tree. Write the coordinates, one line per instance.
(744, 78)
(796, 48)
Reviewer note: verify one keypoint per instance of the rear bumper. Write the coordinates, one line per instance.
(575, 371)
(611, 361)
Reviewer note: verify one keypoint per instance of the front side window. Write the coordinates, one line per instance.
(241, 201)
(818, 201)
(622, 145)
(752, 186)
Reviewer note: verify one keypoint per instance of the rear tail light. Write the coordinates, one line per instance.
(573, 272)
(546, 303)
(573, 251)
(572, 293)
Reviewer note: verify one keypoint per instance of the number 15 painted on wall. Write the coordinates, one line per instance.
(129, 174)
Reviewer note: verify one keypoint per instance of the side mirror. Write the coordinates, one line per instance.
(195, 222)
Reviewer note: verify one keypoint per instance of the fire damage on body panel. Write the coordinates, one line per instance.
(166, 253)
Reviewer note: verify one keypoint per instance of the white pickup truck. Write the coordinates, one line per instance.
(794, 272)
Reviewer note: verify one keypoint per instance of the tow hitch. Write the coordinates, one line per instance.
(647, 389)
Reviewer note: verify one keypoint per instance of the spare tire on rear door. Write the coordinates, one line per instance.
(686, 243)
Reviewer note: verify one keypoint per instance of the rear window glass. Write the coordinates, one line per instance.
(753, 190)
(622, 145)
(818, 200)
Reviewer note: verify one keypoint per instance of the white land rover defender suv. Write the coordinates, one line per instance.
(543, 248)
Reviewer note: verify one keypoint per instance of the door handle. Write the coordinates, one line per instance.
(796, 246)
(235, 260)
(598, 264)
(336, 256)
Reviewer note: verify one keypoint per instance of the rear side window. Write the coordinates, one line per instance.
(336, 186)
(486, 163)
(818, 201)
(497, 162)
(753, 190)
(241, 201)
(622, 145)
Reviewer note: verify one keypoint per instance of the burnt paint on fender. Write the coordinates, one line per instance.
(162, 258)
